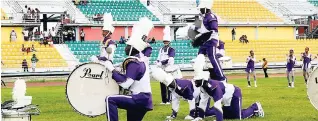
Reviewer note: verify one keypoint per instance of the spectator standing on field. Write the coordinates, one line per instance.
(13, 36)
(25, 65)
(34, 60)
(264, 66)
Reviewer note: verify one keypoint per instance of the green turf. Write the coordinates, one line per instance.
(279, 102)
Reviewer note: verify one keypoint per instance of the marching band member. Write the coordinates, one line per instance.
(165, 60)
(291, 60)
(227, 100)
(208, 39)
(306, 58)
(108, 46)
(250, 68)
(136, 78)
(180, 89)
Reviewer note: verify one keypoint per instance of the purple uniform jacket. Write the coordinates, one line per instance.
(147, 51)
(135, 70)
(109, 42)
(210, 22)
(184, 89)
(306, 61)
(291, 63)
(250, 64)
(171, 53)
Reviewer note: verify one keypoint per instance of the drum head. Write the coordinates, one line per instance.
(87, 87)
(312, 90)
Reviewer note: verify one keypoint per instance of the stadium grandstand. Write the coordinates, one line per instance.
(272, 27)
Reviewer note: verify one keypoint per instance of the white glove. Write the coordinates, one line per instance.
(192, 27)
(94, 59)
(109, 66)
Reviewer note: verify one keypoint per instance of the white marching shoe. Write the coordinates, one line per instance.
(255, 84)
(170, 117)
(260, 111)
(197, 119)
(188, 117)
(168, 103)
(292, 85)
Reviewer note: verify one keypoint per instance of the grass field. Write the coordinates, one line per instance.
(279, 102)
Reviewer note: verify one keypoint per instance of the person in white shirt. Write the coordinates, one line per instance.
(46, 35)
(13, 36)
(26, 35)
(53, 34)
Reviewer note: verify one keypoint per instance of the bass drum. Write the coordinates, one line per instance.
(312, 90)
(87, 87)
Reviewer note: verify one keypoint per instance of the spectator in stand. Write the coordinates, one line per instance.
(46, 35)
(41, 36)
(25, 65)
(70, 35)
(23, 49)
(25, 34)
(83, 2)
(153, 40)
(95, 18)
(65, 35)
(30, 35)
(13, 36)
(53, 34)
(122, 40)
(32, 14)
(37, 12)
(29, 13)
(50, 34)
(25, 10)
(241, 39)
(245, 39)
(99, 17)
(76, 2)
(28, 50)
(34, 60)
(233, 34)
(32, 48)
(37, 34)
(82, 35)
(264, 66)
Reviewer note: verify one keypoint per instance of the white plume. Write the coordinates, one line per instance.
(166, 34)
(146, 25)
(19, 89)
(160, 75)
